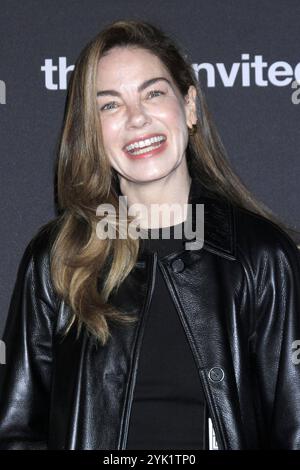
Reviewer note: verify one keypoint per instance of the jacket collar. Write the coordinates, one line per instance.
(219, 224)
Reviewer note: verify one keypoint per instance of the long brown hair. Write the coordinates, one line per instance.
(85, 180)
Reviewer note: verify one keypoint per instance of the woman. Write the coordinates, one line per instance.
(117, 342)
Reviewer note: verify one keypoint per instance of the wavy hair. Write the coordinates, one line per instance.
(85, 179)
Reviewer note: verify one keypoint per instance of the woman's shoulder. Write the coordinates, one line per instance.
(257, 235)
(35, 261)
(42, 240)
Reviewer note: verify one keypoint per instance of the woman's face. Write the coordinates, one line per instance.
(143, 116)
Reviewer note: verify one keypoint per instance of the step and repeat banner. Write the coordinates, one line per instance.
(245, 53)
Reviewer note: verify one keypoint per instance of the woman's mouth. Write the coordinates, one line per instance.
(146, 148)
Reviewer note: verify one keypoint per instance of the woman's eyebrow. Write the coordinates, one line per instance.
(141, 87)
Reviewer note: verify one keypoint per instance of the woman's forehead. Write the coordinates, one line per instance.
(121, 63)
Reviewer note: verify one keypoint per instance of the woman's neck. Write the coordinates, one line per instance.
(159, 203)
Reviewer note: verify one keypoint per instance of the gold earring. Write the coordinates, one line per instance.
(193, 130)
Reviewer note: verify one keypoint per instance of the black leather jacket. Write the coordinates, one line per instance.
(239, 302)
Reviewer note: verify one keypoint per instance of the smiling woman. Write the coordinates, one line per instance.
(148, 118)
(112, 343)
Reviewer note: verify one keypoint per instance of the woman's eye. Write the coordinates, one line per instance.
(154, 93)
(108, 106)
(114, 104)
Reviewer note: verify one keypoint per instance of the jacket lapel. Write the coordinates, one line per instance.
(219, 227)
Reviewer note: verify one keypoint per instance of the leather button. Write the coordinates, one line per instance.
(178, 265)
(216, 374)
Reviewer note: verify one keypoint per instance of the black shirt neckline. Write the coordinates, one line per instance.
(162, 239)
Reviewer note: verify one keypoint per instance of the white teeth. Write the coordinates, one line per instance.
(145, 143)
(140, 151)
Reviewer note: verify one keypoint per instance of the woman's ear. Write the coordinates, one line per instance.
(190, 107)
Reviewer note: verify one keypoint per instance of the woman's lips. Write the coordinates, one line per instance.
(148, 154)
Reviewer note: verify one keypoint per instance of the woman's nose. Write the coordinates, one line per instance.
(137, 116)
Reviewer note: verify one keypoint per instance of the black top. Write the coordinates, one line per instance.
(168, 409)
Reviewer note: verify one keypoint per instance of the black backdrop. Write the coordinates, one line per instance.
(257, 113)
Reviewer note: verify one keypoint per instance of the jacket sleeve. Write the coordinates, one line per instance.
(25, 378)
(275, 340)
